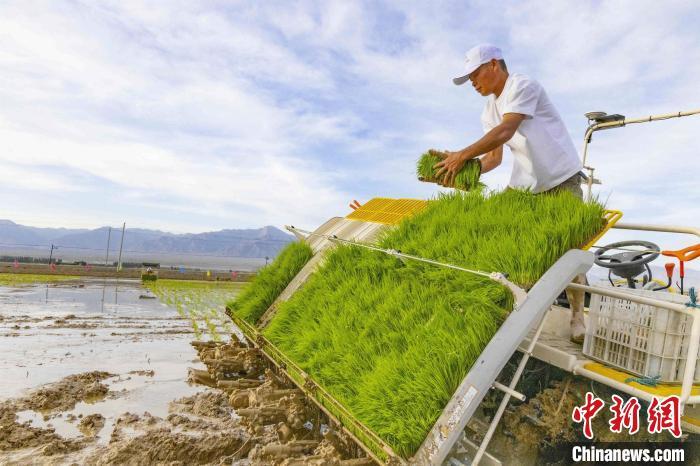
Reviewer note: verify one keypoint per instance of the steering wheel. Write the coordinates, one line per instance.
(628, 264)
(625, 259)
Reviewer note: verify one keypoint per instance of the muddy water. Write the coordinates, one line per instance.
(48, 332)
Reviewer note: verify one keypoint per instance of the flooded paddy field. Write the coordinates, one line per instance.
(88, 363)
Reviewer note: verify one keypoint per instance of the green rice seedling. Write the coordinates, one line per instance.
(466, 179)
(372, 330)
(270, 281)
(513, 232)
(196, 330)
(211, 327)
(182, 294)
(12, 279)
(226, 324)
(201, 302)
(391, 340)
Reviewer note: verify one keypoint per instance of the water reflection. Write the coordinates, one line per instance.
(48, 331)
(90, 295)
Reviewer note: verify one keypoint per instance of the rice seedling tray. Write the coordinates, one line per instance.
(452, 220)
(472, 389)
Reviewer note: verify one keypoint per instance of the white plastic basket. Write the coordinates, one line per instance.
(638, 338)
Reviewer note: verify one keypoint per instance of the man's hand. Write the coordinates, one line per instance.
(499, 135)
(448, 168)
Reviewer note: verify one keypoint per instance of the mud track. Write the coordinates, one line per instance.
(283, 426)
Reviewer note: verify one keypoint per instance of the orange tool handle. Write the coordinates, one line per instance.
(684, 255)
(669, 268)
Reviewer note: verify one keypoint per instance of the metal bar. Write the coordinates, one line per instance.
(664, 116)
(508, 390)
(470, 449)
(660, 228)
(625, 249)
(616, 124)
(121, 245)
(506, 398)
(586, 142)
(614, 293)
(691, 359)
(518, 293)
(393, 252)
(631, 121)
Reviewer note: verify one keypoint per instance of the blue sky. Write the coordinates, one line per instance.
(194, 116)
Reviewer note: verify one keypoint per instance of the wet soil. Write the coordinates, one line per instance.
(96, 375)
(91, 425)
(60, 396)
(200, 429)
(78, 356)
(254, 417)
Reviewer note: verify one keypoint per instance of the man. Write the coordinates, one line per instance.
(519, 114)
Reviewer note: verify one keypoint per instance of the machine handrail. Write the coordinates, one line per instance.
(624, 122)
(660, 228)
(600, 125)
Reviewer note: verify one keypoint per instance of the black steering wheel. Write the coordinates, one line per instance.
(626, 259)
(628, 264)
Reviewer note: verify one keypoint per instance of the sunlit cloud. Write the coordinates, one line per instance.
(193, 116)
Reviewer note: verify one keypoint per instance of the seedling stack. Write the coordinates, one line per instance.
(391, 339)
(466, 179)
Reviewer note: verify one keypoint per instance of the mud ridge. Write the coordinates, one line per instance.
(283, 426)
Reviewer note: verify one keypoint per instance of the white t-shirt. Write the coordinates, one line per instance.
(543, 152)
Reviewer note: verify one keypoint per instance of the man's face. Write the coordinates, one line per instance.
(484, 78)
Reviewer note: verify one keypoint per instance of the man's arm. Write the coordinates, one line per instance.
(492, 159)
(498, 136)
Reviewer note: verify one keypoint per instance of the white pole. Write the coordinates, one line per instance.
(119, 262)
(109, 236)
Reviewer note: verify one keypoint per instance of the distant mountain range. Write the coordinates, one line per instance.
(249, 243)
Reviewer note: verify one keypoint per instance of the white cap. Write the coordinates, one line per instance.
(477, 56)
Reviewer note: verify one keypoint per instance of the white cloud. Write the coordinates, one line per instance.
(21, 177)
(147, 122)
(242, 114)
(212, 185)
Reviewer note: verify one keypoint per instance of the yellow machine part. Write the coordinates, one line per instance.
(611, 217)
(619, 376)
(391, 211)
(660, 390)
(387, 211)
